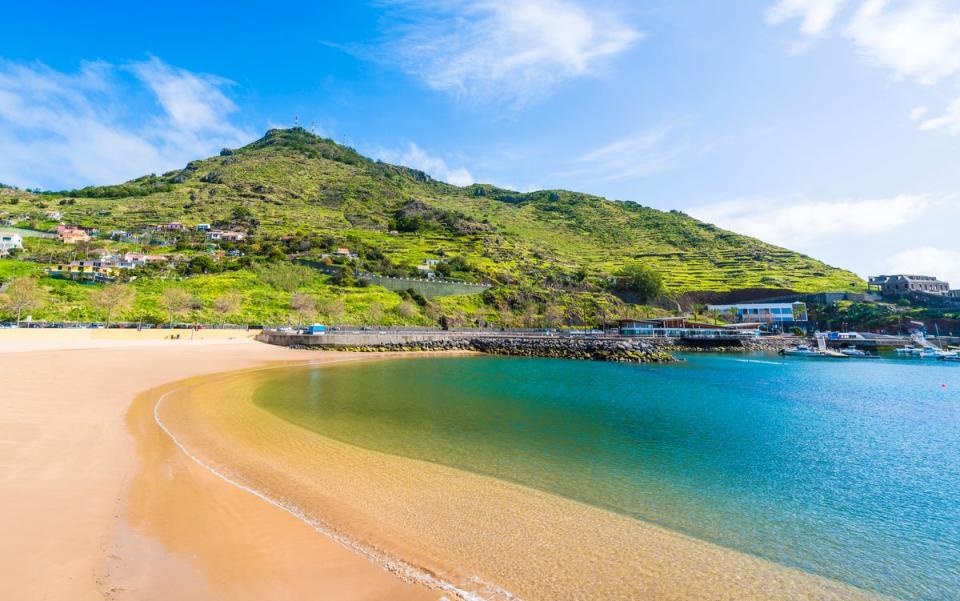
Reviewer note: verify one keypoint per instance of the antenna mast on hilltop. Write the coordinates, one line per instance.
(296, 120)
(313, 127)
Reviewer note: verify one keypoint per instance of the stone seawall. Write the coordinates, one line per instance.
(618, 350)
(632, 350)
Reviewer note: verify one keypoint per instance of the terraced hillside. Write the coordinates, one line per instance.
(291, 185)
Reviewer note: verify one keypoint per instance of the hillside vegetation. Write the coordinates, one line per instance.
(299, 196)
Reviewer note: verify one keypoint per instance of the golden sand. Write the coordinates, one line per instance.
(486, 537)
(68, 466)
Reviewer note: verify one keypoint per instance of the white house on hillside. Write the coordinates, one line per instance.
(10, 241)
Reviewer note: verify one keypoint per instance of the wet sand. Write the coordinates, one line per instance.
(72, 454)
(489, 537)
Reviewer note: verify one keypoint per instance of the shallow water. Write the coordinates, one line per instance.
(850, 470)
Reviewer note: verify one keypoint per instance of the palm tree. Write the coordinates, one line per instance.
(697, 309)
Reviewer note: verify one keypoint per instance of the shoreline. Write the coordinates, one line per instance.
(637, 558)
(397, 566)
(69, 460)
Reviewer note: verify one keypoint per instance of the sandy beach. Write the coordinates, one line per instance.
(101, 503)
(68, 459)
(490, 538)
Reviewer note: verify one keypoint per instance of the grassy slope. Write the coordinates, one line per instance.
(293, 182)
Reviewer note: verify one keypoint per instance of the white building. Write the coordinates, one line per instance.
(10, 241)
(782, 313)
(226, 236)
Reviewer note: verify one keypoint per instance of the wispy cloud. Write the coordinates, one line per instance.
(927, 260)
(815, 15)
(71, 129)
(637, 155)
(416, 158)
(949, 122)
(504, 50)
(797, 223)
(919, 39)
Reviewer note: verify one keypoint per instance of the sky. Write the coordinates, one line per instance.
(831, 127)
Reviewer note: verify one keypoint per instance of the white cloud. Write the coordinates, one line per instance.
(927, 260)
(191, 102)
(798, 223)
(504, 50)
(633, 156)
(919, 39)
(416, 158)
(63, 130)
(815, 15)
(949, 122)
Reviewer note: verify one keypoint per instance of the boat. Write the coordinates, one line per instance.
(856, 353)
(801, 350)
(805, 350)
(907, 351)
(952, 357)
(935, 353)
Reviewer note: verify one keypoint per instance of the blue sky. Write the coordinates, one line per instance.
(828, 126)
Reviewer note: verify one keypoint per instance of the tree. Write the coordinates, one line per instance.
(333, 309)
(374, 313)
(112, 299)
(304, 307)
(715, 314)
(553, 316)
(227, 304)
(176, 301)
(406, 310)
(345, 277)
(23, 294)
(530, 317)
(644, 281)
(697, 310)
(199, 264)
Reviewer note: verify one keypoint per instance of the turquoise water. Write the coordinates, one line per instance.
(847, 469)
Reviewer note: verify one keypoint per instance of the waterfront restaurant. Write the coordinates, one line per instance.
(681, 327)
(774, 313)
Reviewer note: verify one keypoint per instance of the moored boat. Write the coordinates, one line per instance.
(856, 353)
(804, 350)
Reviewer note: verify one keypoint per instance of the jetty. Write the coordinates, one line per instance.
(594, 345)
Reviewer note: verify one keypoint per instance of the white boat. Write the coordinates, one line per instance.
(804, 350)
(801, 350)
(856, 353)
(908, 351)
(953, 357)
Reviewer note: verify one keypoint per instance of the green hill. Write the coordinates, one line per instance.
(296, 194)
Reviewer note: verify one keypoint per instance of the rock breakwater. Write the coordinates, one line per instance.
(620, 351)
